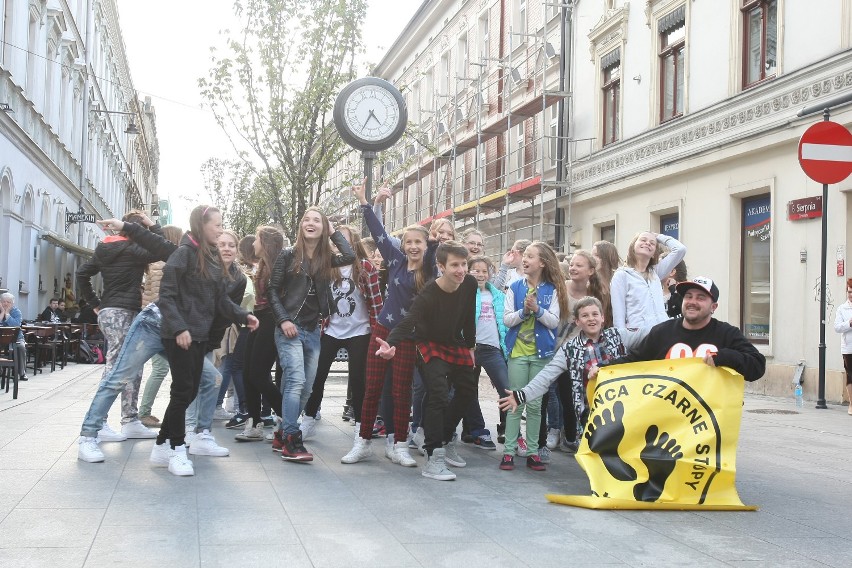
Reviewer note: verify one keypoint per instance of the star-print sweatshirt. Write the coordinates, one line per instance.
(401, 289)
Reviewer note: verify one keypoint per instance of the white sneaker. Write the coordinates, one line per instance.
(89, 451)
(308, 426)
(205, 444)
(451, 455)
(436, 468)
(401, 455)
(222, 414)
(420, 440)
(137, 430)
(552, 438)
(250, 433)
(360, 451)
(107, 434)
(269, 436)
(228, 404)
(357, 429)
(189, 438)
(389, 441)
(179, 464)
(161, 454)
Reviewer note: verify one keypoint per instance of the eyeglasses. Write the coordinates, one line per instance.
(475, 244)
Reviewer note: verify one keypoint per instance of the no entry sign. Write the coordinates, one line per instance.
(825, 152)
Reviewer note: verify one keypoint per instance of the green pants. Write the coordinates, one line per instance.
(521, 372)
(159, 369)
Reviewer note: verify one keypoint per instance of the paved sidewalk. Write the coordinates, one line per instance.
(252, 509)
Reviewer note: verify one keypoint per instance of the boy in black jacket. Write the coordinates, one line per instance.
(442, 319)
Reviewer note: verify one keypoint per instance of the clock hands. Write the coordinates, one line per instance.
(373, 116)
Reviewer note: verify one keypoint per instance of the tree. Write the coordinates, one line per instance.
(274, 91)
(235, 189)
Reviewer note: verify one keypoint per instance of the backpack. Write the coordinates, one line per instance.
(89, 354)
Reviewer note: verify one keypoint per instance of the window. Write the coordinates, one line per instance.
(672, 31)
(484, 50)
(414, 108)
(520, 21)
(760, 35)
(611, 65)
(519, 152)
(608, 233)
(427, 102)
(444, 79)
(462, 56)
(756, 240)
(553, 134)
(670, 225)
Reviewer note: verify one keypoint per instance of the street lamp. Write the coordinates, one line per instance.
(131, 129)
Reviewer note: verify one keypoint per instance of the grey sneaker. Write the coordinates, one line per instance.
(452, 457)
(436, 468)
(544, 454)
(251, 433)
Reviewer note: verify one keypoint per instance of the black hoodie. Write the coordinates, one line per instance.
(121, 263)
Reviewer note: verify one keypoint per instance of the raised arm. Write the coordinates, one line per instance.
(677, 250)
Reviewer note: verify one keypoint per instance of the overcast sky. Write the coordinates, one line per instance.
(168, 49)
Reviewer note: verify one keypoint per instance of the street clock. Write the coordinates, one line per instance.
(370, 114)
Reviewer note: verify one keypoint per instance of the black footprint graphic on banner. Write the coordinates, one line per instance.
(604, 434)
(660, 457)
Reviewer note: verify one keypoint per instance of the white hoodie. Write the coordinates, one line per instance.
(638, 303)
(841, 326)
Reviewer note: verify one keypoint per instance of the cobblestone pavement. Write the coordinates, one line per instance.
(252, 509)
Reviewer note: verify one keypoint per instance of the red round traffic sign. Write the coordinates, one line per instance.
(825, 152)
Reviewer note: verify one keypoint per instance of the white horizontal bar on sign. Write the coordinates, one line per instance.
(827, 152)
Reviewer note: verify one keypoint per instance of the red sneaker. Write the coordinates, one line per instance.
(278, 441)
(507, 463)
(294, 450)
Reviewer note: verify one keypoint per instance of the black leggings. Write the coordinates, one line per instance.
(260, 355)
(356, 347)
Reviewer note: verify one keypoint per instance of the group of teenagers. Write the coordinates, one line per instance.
(420, 317)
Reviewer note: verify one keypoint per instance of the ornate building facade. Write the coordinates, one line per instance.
(74, 137)
(677, 116)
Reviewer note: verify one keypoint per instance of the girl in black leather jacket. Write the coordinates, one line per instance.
(300, 296)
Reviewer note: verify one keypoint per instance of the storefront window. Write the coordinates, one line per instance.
(670, 225)
(756, 239)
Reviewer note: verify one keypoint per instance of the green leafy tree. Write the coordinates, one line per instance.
(273, 92)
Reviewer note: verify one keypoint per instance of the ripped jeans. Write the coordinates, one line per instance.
(140, 344)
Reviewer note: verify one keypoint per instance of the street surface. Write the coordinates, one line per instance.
(253, 509)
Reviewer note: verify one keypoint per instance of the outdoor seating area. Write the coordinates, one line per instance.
(48, 346)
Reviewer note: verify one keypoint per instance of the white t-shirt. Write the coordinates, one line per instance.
(349, 313)
(486, 327)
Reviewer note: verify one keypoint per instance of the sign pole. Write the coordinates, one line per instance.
(822, 285)
(368, 157)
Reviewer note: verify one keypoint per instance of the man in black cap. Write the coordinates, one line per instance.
(698, 334)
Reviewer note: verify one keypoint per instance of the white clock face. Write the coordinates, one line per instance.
(371, 113)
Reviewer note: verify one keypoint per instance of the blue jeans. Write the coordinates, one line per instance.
(199, 413)
(299, 357)
(418, 400)
(232, 369)
(491, 359)
(554, 408)
(140, 344)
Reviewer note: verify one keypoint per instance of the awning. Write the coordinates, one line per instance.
(73, 248)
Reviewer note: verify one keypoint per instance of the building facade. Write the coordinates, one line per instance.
(678, 116)
(74, 137)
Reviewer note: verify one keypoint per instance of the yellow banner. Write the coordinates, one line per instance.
(661, 435)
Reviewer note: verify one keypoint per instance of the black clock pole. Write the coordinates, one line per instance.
(368, 157)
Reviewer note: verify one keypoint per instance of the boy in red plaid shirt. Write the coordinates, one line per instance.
(442, 319)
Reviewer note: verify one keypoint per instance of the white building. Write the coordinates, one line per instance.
(68, 115)
(680, 117)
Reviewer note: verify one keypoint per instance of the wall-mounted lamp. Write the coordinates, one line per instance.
(131, 129)
(6, 108)
(549, 50)
(638, 79)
